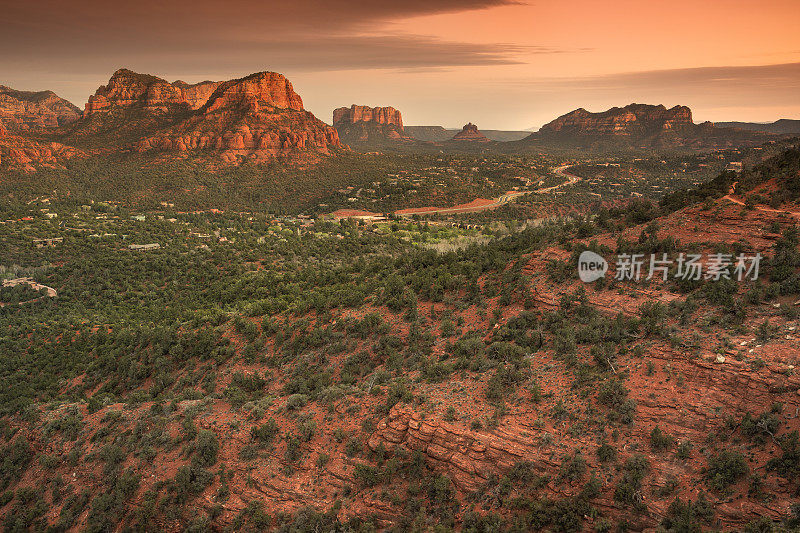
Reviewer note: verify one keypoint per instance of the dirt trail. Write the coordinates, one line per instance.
(735, 200)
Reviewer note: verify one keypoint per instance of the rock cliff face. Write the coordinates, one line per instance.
(361, 113)
(363, 124)
(263, 90)
(640, 126)
(469, 458)
(470, 133)
(129, 90)
(25, 111)
(257, 117)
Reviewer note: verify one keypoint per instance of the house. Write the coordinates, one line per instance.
(734, 166)
(41, 243)
(144, 247)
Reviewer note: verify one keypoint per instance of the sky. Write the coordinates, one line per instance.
(502, 64)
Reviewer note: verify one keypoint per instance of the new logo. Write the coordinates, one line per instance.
(591, 266)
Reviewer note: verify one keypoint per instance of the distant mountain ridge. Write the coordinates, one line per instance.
(255, 118)
(780, 127)
(440, 133)
(639, 126)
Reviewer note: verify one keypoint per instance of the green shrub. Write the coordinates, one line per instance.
(367, 474)
(206, 449)
(296, 401)
(573, 468)
(687, 517)
(725, 469)
(16, 457)
(629, 488)
(788, 464)
(684, 450)
(758, 429)
(606, 453)
(266, 432)
(614, 395)
(502, 383)
(659, 440)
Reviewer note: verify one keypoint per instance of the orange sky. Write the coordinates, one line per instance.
(498, 63)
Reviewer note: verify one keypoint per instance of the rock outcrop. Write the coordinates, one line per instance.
(128, 90)
(363, 124)
(470, 133)
(26, 111)
(257, 117)
(640, 126)
(362, 113)
(259, 91)
(469, 458)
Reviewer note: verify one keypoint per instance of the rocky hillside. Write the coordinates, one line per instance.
(360, 124)
(26, 111)
(21, 153)
(308, 382)
(470, 133)
(640, 126)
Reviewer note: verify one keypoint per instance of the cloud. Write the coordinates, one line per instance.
(237, 35)
(86, 22)
(82, 40)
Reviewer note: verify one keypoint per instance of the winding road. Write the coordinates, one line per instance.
(560, 171)
(494, 203)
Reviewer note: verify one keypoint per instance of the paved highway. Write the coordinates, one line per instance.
(500, 200)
